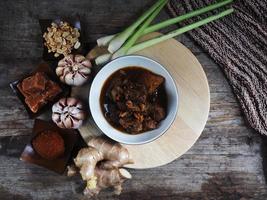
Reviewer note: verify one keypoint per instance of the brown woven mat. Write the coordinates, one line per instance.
(238, 43)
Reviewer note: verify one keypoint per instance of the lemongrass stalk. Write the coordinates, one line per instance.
(100, 60)
(178, 19)
(130, 42)
(119, 39)
(104, 41)
(151, 42)
(154, 41)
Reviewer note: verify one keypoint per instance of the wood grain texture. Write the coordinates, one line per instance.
(227, 162)
(194, 103)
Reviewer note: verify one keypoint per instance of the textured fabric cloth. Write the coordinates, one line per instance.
(238, 43)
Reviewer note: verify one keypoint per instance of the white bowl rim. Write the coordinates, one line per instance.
(136, 135)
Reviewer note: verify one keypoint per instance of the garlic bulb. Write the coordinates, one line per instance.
(74, 69)
(68, 113)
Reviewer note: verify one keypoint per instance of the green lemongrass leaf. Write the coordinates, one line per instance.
(130, 42)
(104, 41)
(119, 39)
(151, 42)
(178, 19)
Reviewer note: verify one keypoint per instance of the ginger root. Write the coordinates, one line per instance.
(71, 170)
(114, 154)
(86, 160)
(100, 165)
(107, 178)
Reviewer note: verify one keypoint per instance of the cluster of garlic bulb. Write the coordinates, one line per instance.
(74, 70)
(68, 113)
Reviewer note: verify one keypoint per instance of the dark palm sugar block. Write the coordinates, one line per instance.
(16, 87)
(33, 84)
(47, 159)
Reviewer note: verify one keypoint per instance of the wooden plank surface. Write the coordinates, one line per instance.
(193, 105)
(227, 162)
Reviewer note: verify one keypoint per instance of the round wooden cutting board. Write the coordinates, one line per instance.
(194, 102)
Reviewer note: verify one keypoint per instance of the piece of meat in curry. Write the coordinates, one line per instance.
(134, 100)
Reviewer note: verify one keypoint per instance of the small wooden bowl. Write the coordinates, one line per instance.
(59, 164)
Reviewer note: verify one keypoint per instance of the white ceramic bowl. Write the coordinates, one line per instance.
(95, 92)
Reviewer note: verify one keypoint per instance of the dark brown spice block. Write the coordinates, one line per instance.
(53, 81)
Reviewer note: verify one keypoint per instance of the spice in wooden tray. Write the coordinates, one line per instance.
(49, 144)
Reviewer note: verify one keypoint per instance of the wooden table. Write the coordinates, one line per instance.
(227, 162)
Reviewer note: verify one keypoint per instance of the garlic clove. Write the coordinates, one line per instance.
(79, 80)
(77, 124)
(55, 117)
(79, 58)
(56, 109)
(87, 63)
(69, 79)
(59, 71)
(85, 70)
(80, 115)
(68, 122)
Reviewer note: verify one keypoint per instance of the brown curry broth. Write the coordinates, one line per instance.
(132, 71)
